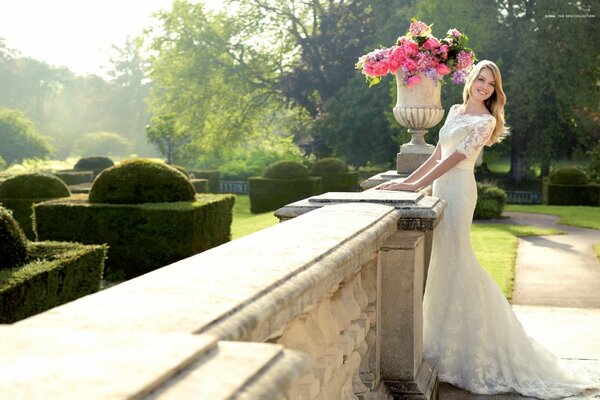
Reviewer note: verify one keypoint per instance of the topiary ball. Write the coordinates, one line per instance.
(139, 181)
(96, 163)
(568, 176)
(286, 170)
(33, 186)
(329, 165)
(180, 169)
(13, 245)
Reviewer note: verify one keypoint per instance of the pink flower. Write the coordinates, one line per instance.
(454, 32)
(396, 57)
(418, 28)
(465, 60)
(443, 51)
(412, 80)
(431, 44)
(411, 48)
(443, 69)
(376, 68)
(410, 65)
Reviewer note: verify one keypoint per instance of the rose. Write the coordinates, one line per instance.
(418, 52)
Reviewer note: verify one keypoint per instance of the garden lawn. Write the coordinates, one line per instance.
(244, 222)
(581, 216)
(495, 246)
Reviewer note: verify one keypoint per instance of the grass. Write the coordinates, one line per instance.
(244, 222)
(495, 246)
(581, 216)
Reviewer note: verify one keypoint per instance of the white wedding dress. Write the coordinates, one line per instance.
(471, 334)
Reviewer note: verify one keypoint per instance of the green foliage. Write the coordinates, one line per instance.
(212, 74)
(75, 177)
(181, 169)
(94, 163)
(212, 176)
(286, 170)
(55, 273)
(20, 192)
(268, 194)
(490, 201)
(329, 165)
(170, 140)
(2, 163)
(354, 124)
(571, 195)
(33, 186)
(19, 137)
(13, 245)
(585, 217)
(568, 176)
(141, 237)
(108, 143)
(246, 163)
(593, 169)
(138, 181)
(200, 185)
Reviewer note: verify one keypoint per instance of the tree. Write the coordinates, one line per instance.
(170, 140)
(20, 139)
(102, 143)
(209, 76)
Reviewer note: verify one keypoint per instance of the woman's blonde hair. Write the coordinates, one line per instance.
(495, 104)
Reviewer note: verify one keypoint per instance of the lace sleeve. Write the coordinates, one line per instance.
(479, 134)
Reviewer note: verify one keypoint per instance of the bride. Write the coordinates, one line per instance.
(471, 334)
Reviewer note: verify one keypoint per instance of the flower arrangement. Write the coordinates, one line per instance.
(419, 52)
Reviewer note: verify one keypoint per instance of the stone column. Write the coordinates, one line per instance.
(401, 270)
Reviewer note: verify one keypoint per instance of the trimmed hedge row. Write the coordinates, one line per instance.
(571, 195)
(213, 177)
(141, 237)
(20, 192)
(339, 181)
(72, 177)
(270, 194)
(200, 185)
(55, 273)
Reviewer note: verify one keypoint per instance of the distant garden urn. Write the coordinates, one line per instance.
(418, 108)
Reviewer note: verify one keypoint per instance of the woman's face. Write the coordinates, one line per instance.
(484, 85)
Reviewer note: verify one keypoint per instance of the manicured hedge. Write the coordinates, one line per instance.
(571, 195)
(19, 193)
(96, 164)
(490, 201)
(72, 177)
(55, 273)
(213, 177)
(270, 194)
(141, 237)
(335, 175)
(200, 185)
(13, 244)
(140, 180)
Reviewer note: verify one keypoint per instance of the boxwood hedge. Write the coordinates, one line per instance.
(270, 194)
(141, 237)
(54, 274)
(213, 177)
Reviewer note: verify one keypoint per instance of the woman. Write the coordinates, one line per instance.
(471, 334)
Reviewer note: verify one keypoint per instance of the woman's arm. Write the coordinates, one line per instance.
(438, 170)
(426, 166)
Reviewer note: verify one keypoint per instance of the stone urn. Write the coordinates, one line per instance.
(418, 108)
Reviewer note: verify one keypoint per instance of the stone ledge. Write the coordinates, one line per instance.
(417, 211)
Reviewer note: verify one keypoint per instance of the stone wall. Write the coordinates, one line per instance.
(326, 305)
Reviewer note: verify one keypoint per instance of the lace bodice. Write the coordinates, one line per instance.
(466, 134)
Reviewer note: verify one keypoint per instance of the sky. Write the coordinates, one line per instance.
(77, 34)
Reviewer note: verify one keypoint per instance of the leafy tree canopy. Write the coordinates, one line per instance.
(20, 138)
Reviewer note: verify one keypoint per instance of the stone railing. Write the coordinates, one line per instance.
(326, 305)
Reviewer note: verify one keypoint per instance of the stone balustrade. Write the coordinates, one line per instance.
(326, 305)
